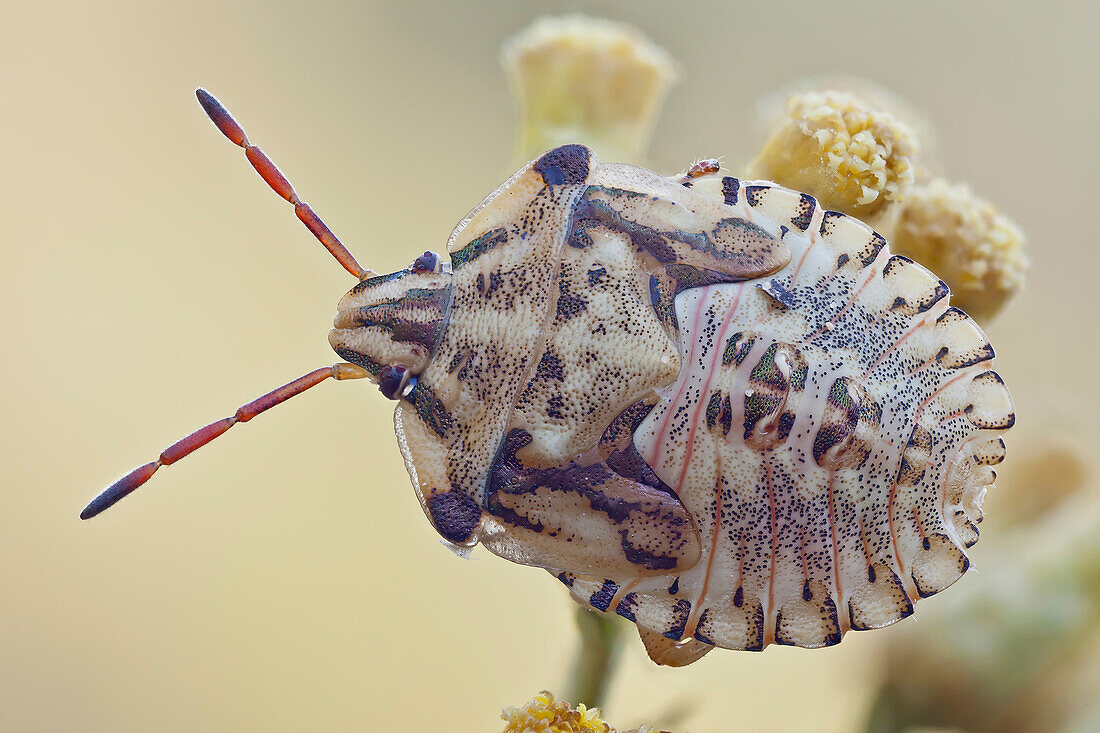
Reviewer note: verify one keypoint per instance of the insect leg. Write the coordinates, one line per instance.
(229, 127)
(202, 436)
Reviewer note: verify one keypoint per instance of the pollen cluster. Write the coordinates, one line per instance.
(836, 147)
(966, 241)
(545, 714)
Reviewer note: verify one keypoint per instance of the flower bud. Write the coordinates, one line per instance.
(974, 248)
(586, 80)
(852, 157)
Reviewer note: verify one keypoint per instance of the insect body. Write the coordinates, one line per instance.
(704, 404)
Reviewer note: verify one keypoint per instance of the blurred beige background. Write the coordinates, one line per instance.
(285, 578)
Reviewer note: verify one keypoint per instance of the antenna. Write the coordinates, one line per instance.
(181, 448)
(271, 174)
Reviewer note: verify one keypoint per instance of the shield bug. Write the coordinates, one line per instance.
(705, 404)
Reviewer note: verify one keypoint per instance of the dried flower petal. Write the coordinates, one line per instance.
(587, 80)
(974, 248)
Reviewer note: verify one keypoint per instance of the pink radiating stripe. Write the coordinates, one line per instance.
(815, 225)
(666, 420)
(700, 408)
(839, 314)
(700, 404)
(913, 329)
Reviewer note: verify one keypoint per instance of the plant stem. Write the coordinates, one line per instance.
(600, 641)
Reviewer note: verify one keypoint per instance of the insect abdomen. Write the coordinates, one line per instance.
(831, 433)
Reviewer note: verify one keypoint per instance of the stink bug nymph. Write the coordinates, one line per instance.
(704, 404)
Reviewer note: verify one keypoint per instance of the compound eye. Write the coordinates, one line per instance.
(392, 381)
(427, 262)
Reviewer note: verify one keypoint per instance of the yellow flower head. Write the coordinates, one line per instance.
(852, 157)
(587, 80)
(545, 714)
(974, 248)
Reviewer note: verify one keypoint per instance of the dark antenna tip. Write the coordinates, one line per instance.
(188, 445)
(119, 489)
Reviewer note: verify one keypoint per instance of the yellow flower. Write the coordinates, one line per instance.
(587, 80)
(852, 157)
(545, 714)
(974, 248)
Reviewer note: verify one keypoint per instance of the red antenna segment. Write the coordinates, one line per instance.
(229, 127)
(125, 485)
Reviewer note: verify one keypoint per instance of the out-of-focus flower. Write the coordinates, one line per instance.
(1015, 649)
(545, 714)
(974, 248)
(1051, 462)
(587, 80)
(852, 157)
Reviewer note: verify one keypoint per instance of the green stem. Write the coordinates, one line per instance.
(600, 640)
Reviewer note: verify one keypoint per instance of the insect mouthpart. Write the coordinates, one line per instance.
(390, 325)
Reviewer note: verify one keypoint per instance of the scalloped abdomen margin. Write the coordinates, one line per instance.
(828, 498)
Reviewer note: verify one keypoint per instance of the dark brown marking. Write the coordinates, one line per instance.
(550, 367)
(730, 187)
(680, 614)
(834, 636)
(806, 207)
(622, 456)
(510, 476)
(643, 557)
(786, 422)
(757, 644)
(601, 599)
(358, 359)
(454, 514)
(736, 349)
(754, 195)
(405, 318)
(430, 409)
(564, 166)
(627, 607)
(569, 304)
(827, 221)
(877, 243)
(778, 293)
(478, 247)
(699, 635)
(714, 405)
